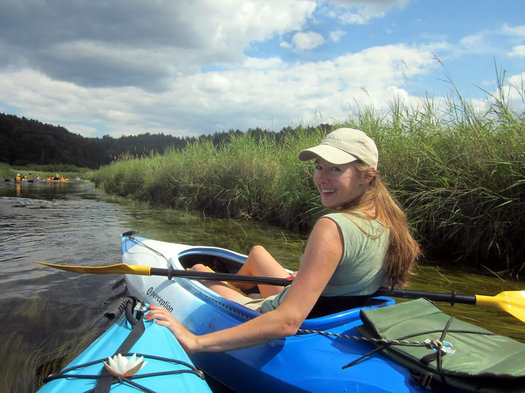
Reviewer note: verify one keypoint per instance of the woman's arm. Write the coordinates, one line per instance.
(322, 255)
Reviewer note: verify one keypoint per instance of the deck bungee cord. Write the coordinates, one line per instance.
(131, 379)
(134, 312)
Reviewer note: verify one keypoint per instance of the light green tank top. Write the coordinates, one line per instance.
(365, 245)
(360, 270)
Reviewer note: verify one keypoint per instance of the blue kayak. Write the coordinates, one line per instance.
(307, 362)
(167, 367)
(376, 346)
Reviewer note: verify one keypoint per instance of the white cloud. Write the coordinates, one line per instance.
(518, 51)
(476, 43)
(355, 18)
(262, 64)
(516, 90)
(516, 31)
(335, 36)
(265, 93)
(40, 97)
(511, 92)
(489, 41)
(86, 131)
(215, 83)
(307, 40)
(362, 11)
(137, 43)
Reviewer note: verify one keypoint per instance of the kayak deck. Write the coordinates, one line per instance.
(168, 367)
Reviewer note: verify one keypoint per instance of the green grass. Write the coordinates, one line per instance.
(459, 173)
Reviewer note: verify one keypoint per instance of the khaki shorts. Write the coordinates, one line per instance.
(248, 302)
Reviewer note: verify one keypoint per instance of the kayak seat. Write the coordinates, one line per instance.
(328, 305)
(216, 263)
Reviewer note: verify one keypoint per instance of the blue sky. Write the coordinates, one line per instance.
(196, 67)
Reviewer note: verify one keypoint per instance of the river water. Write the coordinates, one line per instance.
(49, 316)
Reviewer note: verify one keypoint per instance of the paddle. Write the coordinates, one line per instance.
(512, 302)
(122, 268)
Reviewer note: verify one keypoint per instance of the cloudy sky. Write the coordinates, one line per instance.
(193, 67)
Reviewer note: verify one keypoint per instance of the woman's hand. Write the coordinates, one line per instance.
(187, 340)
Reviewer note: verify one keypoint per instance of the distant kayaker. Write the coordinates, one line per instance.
(18, 177)
(351, 253)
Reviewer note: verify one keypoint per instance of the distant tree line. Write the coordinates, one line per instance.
(25, 141)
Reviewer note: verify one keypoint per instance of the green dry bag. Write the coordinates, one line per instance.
(462, 355)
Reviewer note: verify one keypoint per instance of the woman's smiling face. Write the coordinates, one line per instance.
(338, 184)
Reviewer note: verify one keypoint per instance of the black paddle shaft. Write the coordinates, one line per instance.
(438, 297)
(194, 275)
(171, 272)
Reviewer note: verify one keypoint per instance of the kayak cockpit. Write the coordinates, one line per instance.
(218, 259)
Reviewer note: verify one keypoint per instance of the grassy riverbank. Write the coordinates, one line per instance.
(459, 173)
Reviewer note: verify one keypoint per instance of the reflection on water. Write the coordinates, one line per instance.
(48, 316)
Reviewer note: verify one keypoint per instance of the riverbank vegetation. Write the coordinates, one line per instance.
(459, 173)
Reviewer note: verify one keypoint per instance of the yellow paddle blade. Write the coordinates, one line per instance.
(512, 302)
(120, 268)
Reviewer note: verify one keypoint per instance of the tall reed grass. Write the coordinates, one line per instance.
(458, 172)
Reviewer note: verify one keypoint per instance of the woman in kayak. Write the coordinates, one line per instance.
(364, 245)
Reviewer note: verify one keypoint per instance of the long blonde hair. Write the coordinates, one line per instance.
(403, 249)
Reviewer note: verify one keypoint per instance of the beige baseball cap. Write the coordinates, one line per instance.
(342, 146)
